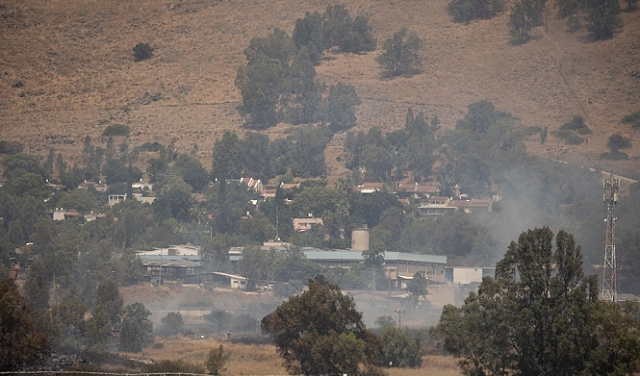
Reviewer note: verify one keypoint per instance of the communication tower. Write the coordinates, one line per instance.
(610, 198)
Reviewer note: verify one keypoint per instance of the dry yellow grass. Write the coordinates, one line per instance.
(263, 360)
(74, 58)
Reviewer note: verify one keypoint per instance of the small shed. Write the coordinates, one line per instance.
(233, 281)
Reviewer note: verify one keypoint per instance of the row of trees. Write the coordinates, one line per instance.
(600, 17)
(31, 326)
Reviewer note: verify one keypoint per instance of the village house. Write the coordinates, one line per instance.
(368, 188)
(305, 224)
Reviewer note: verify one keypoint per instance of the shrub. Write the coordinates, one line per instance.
(616, 156)
(116, 130)
(568, 137)
(617, 142)
(10, 147)
(216, 360)
(633, 119)
(142, 51)
(465, 11)
(576, 124)
(174, 366)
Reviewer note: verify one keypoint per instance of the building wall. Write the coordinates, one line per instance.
(465, 276)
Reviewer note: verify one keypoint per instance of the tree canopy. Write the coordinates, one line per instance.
(400, 57)
(20, 343)
(540, 315)
(321, 332)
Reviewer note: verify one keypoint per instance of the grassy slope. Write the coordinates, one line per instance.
(74, 57)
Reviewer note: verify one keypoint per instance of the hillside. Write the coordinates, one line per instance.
(67, 71)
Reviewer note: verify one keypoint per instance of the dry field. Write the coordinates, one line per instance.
(244, 359)
(263, 360)
(66, 71)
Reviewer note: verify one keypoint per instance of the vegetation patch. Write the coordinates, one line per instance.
(633, 119)
(116, 130)
(568, 137)
(142, 51)
(576, 124)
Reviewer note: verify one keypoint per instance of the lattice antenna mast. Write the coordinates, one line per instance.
(610, 197)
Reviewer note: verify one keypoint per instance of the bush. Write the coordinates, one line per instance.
(568, 137)
(576, 124)
(633, 119)
(465, 11)
(10, 147)
(615, 156)
(617, 142)
(142, 51)
(116, 130)
(174, 366)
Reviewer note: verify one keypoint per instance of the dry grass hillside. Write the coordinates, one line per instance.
(67, 71)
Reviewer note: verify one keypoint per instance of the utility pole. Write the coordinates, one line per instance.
(610, 197)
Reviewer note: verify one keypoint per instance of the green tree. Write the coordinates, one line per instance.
(359, 38)
(136, 328)
(520, 22)
(309, 32)
(172, 324)
(465, 11)
(256, 265)
(568, 8)
(130, 222)
(20, 343)
(174, 200)
(302, 100)
(36, 288)
(480, 116)
(602, 18)
(341, 104)
(192, 172)
(539, 315)
(633, 119)
(109, 297)
(142, 51)
(255, 146)
(400, 348)
(385, 321)
(401, 54)
(261, 84)
(264, 79)
(336, 24)
(306, 157)
(349, 35)
(617, 142)
(320, 332)
(417, 287)
(81, 200)
(226, 157)
(98, 327)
